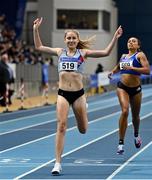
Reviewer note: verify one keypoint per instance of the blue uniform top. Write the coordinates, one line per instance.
(129, 61)
(71, 63)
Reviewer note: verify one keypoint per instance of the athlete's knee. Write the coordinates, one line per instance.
(61, 127)
(135, 118)
(125, 112)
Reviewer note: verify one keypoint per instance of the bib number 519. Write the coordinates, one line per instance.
(68, 66)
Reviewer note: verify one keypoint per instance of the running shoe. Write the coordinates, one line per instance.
(56, 171)
(120, 149)
(138, 142)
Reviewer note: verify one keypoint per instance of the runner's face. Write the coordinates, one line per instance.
(132, 44)
(71, 40)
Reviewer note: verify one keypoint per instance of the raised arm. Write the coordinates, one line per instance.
(37, 40)
(108, 49)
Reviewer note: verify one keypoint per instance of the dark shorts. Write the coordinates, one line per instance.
(71, 96)
(130, 90)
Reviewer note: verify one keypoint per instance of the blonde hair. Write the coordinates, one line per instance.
(82, 44)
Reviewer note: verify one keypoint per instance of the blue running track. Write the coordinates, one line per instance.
(27, 143)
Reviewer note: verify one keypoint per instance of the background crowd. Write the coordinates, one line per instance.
(13, 50)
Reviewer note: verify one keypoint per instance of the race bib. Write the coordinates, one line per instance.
(123, 64)
(68, 66)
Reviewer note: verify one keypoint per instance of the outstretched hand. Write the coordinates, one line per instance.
(118, 32)
(37, 23)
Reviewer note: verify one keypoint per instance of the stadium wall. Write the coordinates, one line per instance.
(52, 36)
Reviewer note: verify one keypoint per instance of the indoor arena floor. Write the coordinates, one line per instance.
(27, 143)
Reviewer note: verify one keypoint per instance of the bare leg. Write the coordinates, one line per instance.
(135, 103)
(123, 121)
(62, 114)
(79, 108)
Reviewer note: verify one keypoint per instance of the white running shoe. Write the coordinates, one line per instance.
(120, 149)
(57, 169)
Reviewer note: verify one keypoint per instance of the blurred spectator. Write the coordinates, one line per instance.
(51, 61)
(2, 21)
(39, 58)
(6, 77)
(45, 77)
(83, 24)
(62, 22)
(17, 50)
(99, 68)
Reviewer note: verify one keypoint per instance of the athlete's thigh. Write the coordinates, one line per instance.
(135, 103)
(80, 110)
(62, 108)
(123, 98)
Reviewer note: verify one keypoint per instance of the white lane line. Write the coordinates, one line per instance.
(26, 127)
(30, 165)
(98, 119)
(128, 161)
(76, 149)
(148, 91)
(45, 113)
(80, 147)
(45, 137)
(53, 120)
(26, 117)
